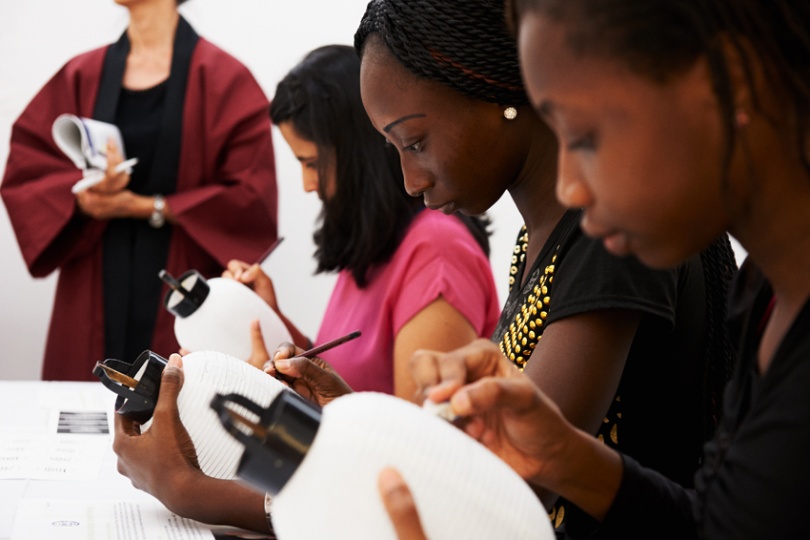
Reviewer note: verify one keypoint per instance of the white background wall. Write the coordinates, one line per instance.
(269, 36)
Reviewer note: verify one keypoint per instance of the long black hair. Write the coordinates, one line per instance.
(365, 219)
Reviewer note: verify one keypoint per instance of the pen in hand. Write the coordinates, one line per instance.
(315, 351)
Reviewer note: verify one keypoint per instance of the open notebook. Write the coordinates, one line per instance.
(84, 141)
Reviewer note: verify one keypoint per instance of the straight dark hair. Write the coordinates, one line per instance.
(364, 221)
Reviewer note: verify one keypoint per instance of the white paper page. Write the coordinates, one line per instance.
(113, 520)
(63, 433)
(52, 457)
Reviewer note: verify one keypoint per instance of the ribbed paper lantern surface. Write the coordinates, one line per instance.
(215, 315)
(461, 489)
(205, 374)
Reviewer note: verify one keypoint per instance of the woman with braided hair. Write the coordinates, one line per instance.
(638, 357)
(711, 98)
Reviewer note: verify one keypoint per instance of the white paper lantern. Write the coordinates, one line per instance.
(215, 315)
(205, 374)
(461, 489)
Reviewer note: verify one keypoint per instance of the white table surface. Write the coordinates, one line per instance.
(18, 401)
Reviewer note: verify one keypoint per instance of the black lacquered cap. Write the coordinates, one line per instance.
(277, 444)
(191, 298)
(137, 399)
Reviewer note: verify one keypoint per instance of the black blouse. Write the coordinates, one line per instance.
(134, 252)
(755, 478)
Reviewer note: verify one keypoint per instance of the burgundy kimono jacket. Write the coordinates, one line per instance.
(225, 200)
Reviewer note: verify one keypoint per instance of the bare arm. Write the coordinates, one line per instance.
(579, 362)
(438, 327)
(219, 502)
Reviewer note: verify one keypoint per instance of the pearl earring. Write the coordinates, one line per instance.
(510, 113)
(741, 118)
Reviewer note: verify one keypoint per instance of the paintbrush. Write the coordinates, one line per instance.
(270, 250)
(315, 351)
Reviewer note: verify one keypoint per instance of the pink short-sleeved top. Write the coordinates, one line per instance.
(437, 257)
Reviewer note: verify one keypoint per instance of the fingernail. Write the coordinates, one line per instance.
(389, 480)
(460, 403)
(282, 364)
(175, 360)
(443, 386)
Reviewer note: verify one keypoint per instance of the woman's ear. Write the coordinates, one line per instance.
(747, 75)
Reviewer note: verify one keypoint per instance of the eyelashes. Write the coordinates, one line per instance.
(586, 142)
(414, 147)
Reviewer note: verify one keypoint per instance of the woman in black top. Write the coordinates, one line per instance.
(676, 120)
(632, 355)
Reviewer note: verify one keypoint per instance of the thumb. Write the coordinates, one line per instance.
(517, 395)
(171, 382)
(302, 368)
(258, 354)
(400, 505)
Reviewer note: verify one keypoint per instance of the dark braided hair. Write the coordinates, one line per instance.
(719, 265)
(363, 223)
(439, 40)
(660, 39)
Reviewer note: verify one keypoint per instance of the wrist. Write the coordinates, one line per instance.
(185, 493)
(585, 471)
(550, 468)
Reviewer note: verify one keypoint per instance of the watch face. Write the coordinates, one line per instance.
(157, 219)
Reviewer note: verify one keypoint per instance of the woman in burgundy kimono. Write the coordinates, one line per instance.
(203, 191)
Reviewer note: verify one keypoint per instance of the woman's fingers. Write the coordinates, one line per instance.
(400, 505)
(517, 395)
(235, 269)
(440, 375)
(259, 355)
(171, 382)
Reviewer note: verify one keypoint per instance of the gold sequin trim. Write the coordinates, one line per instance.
(526, 329)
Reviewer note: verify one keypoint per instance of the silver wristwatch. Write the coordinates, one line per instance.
(157, 219)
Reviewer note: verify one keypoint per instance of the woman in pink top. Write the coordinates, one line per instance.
(409, 278)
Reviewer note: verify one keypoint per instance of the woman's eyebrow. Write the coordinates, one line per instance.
(400, 120)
